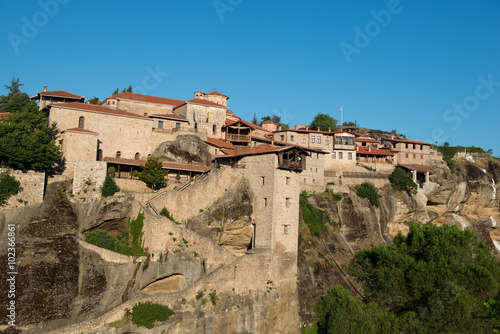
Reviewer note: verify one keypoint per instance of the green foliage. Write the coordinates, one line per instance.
(94, 100)
(323, 122)
(152, 173)
(111, 171)
(330, 183)
(333, 196)
(310, 330)
(402, 180)
(368, 190)
(26, 138)
(116, 91)
(434, 280)
(255, 120)
(128, 243)
(199, 295)
(145, 314)
(449, 152)
(8, 186)
(109, 187)
(350, 124)
(164, 212)
(213, 297)
(313, 218)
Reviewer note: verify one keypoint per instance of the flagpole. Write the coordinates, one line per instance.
(341, 115)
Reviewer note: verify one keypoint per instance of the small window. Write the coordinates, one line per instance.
(287, 202)
(327, 141)
(195, 126)
(99, 155)
(285, 229)
(265, 201)
(282, 137)
(414, 156)
(118, 154)
(414, 146)
(421, 156)
(145, 114)
(421, 147)
(406, 155)
(334, 155)
(81, 122)
(349, 156)
(113, 102)
(287, 181)
(214, 128)
(291, 138)
(319, 140)
(341, 155)
(160, 124)
(178, 125)
(312, 139)
(263, 180)
(303, 140)
(406, 145)
(137, 156)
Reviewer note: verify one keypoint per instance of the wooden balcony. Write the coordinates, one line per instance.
(238, 138)
(292, 165)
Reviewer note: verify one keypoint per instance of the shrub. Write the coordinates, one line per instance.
(368, 190)
(402, 180)
(164, 212)
(109, 187)
(152, 173)
(313, 217)
(111, 171)
(334, 196)
(145, 314)
(213, 297)
(8, 186)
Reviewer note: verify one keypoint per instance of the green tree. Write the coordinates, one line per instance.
(349, 124)
(94, 100)
(15, 99)
(129, 89)
(8, 186)
(255, 119)
(368, 190)
(323, 122)
(115, 92)
(27, 140)
(152, 173)
(402, 180)
(109, 187)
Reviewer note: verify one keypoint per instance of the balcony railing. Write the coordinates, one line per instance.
(236, 137)
(294, 165)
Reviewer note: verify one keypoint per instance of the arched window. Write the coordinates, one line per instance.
(214, 129)
(99, 155)
(137, 156)
(195, 126)
(81, 122)
(118, 154)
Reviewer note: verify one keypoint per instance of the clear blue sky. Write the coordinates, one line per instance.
(291, 58)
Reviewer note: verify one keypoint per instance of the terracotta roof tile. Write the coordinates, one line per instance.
(216, 93)
(251, 125)
(166, 165)
(260, 149)
(406, 141)
(147, 98)
(372, 151)
(219, 143)
(80, 130)
(98, 109)
(60, 93)
(268, 122)
(206, 103)
(366, 140)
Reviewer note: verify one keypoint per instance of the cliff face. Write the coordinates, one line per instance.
(466, 198)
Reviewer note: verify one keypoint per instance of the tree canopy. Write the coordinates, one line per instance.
(436, 279)
(323, 122)
(152, 173)
(402, 180)
(26, 138)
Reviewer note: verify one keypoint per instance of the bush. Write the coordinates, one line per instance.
(8, 186)
(368, 190)
(334, 196)
(109, 187)
(111, 171)
(145, 314)
(313, 217)
(402, 180)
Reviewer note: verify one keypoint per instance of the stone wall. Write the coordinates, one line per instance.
(32, 184)
(137, 186)
(186, 204)
(379, 180)
(92, 172)
(144, 108)
(217, 118)
(78, 146)
(336, 161)
(313, 177)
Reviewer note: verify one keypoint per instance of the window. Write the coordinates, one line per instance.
(421, 157)
(319, 140)
(327, 141)
(303, 140)
(350, 141)
(406, 145)
(285, 229)
(263, 180)
(334, 155)
(81, 122)
(265, 201)
(312, 139)
(406, 155)
(287, 202)
(414, 146)
(113, 102)
(421, 147)
(341, 155)
(291, 138)
(214, 129)
(287, 181)
(414, 156)
(137, 156)
(145, 114)
(195, 126)
(282, 137)
(99, 155)
(178, 125)
(160, 124)
(118, 154)
(349, 156)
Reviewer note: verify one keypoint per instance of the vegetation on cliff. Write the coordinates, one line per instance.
(145, 314)
(436, 279)
(152, 172)
(128, 243)
(8, 186)
(109, 187)
(367, 190)
(313, 217)
(402, 180)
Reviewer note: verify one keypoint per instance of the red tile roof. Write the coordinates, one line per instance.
(406, 141)
(419, 168)
(219, 143)
(147, 98)
(98, 109)
(216, 93)
(366, 140)
(316, 131)
(170, 116)
(166, 165)
(268, 122)
(206, 103)
(372, 151)
(251, 125)
(4, 114)
(260, 149)
(60, 93)
(80, 130)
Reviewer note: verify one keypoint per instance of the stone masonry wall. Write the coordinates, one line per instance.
(93, 172)
(144, 108)
(32, 184)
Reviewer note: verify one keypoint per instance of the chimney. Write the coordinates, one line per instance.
(357, 148)
(44, 88)
(272, 141)
(392, 136)
(279, 128)
(307, 127)
(369, 148)
(329, 129)
(295, 127)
